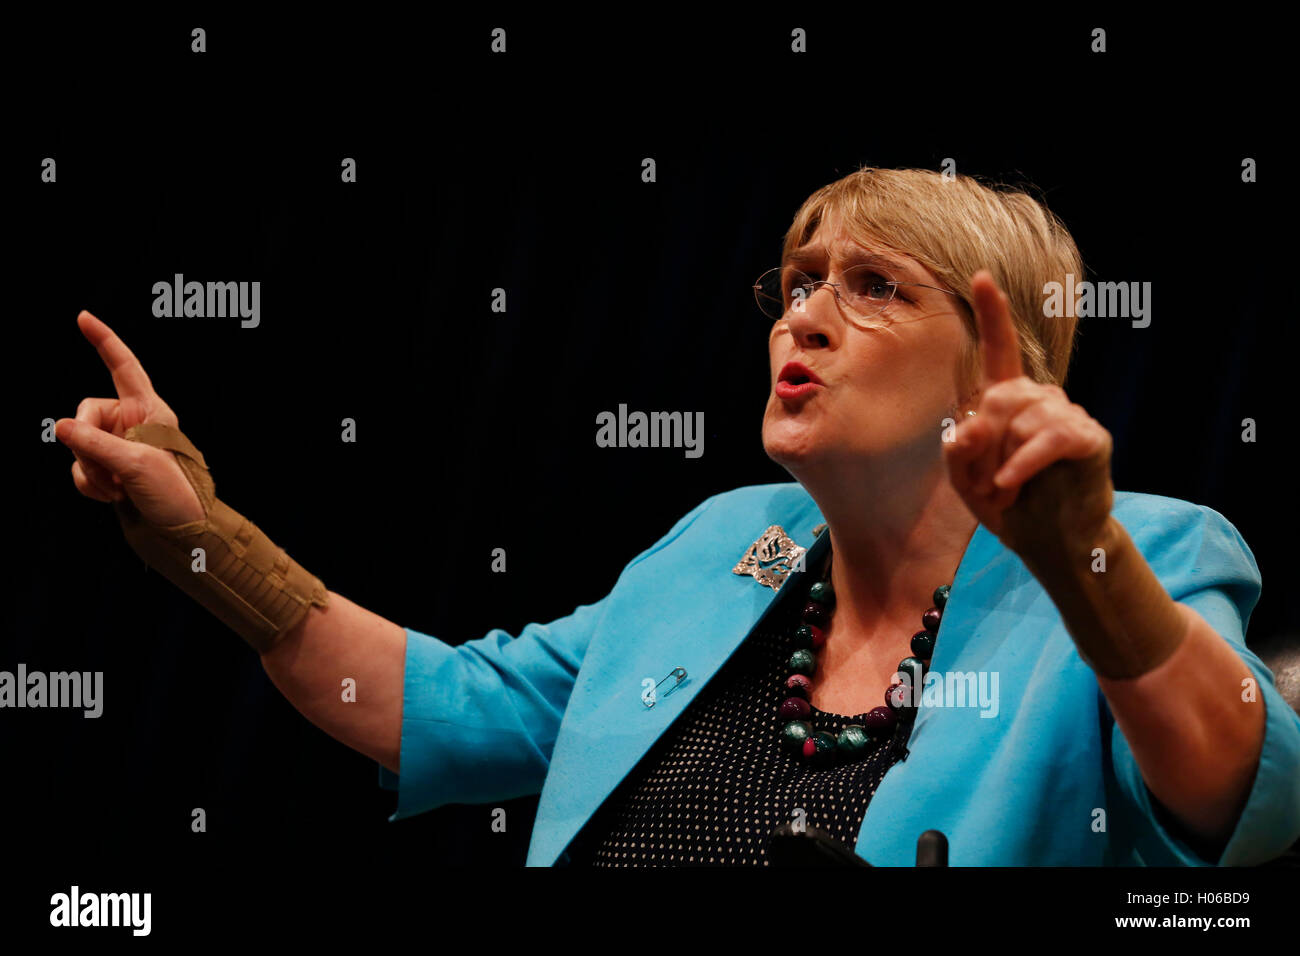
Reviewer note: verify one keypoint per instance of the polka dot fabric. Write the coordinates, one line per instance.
(715, 786)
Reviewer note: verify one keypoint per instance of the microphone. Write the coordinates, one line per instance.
(932, 849)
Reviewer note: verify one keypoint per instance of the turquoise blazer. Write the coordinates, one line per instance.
(1049, 780)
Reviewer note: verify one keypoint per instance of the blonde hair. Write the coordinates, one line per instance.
(955, 227)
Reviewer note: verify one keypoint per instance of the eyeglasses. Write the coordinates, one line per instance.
(863, 290)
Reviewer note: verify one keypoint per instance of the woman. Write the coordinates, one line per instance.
(1088, 698)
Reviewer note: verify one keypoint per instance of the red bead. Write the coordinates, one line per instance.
(930, 619)
(795, 708)
(799, 684)
(816, 614)
(818, 637)
(809, 747)
(897, 697)
(880, 720)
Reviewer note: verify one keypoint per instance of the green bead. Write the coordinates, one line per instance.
(913, 667)
(923, 645)
(822, 592)
(794, 734)
(941, 595)
(853, 741)
(803, 636)
(803, 661)
(825, 753)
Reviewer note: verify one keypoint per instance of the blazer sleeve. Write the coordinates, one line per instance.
(479, 719)
(1207, 565)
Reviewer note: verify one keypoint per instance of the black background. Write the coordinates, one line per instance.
(476, 429)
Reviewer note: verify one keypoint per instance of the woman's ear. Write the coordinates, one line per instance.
(968, 405)
(970, 386)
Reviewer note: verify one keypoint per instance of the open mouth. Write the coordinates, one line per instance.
(796, 380)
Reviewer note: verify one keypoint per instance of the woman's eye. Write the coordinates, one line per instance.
(874, 287)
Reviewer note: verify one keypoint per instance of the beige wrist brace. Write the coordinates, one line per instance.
(249, 584)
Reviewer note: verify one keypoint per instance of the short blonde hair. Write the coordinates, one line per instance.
(955, 227)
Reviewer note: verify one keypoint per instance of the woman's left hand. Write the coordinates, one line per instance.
(1032, 466)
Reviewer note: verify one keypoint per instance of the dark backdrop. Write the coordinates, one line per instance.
(476, 429)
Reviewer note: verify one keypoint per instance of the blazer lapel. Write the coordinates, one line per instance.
(705, 614)
(991, 594)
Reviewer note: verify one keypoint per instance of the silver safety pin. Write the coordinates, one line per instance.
(677, 672)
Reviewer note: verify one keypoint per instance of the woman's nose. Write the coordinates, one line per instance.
(814, 321)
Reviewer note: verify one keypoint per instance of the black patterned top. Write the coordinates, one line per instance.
(717, 783)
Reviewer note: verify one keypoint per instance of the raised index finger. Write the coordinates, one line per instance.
(999, 343)
(128, 374)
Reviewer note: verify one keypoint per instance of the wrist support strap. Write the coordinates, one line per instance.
(251, 585)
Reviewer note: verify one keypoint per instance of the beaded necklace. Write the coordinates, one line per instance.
(894, 718)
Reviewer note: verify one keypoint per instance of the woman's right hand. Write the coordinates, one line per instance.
(108, 466)
(343, 638)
